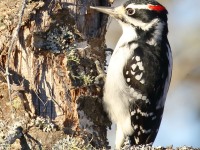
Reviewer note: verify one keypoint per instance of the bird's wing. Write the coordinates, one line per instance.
(145, 74)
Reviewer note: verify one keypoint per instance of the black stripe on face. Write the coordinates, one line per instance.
(144, 15)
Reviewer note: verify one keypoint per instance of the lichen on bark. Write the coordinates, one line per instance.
(52, 71)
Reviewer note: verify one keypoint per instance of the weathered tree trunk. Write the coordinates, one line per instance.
(53, 72)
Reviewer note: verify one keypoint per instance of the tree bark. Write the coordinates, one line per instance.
(53, 72)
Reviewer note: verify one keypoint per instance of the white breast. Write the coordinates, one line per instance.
(116, 92)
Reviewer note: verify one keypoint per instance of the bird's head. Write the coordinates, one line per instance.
(138, 13)
(147, 17)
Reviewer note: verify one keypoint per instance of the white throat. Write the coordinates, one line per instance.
(129, 34)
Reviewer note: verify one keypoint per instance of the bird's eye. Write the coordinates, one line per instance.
(130, 11)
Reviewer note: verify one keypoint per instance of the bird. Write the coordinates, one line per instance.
(139, 72)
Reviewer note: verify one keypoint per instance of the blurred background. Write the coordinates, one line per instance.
(181, 119)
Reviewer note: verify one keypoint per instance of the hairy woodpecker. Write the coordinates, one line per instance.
(139, 72)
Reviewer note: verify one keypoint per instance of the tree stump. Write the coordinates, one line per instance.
(56, 95)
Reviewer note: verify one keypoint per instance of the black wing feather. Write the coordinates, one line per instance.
(145, 117)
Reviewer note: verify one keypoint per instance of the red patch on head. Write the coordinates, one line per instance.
(156, 7)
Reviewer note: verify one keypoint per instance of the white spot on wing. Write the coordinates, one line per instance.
(133, 66)
(133, 113)
(144, 130)
(138, 77)
(139, 133)
(141, 67)
(142, 81)
(135, 127)
(147, 101)
(140, 64)
(137, 140)
(135, 94)
(137, 58)
(139, 96)
(132, 72)
(144, 98)
(145, 114)
(128, 79)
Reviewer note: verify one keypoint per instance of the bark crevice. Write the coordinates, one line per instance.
(52, 64)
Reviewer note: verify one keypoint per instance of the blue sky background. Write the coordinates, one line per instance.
(181, 120)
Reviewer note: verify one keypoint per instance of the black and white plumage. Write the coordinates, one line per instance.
(139, 72)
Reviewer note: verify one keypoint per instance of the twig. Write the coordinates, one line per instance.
(101, 72)
(14, 36)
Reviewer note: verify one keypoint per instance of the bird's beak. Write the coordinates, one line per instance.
(111, 11)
